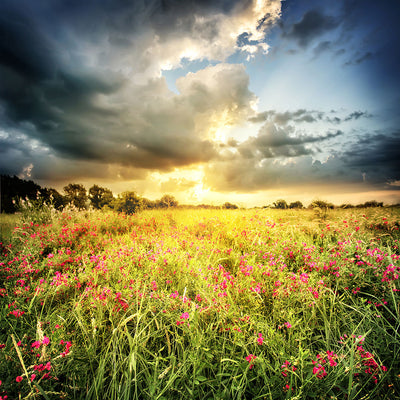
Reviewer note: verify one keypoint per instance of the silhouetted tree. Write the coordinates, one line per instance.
(128, 203)
(296, 204)
(230, 206)
(100, 197)
(280, 204)
(167, 201)
(372, 203)
(76, 195)
(346, 205)
(321, 204)
(149, 204)
(12, 188)
(51, 196)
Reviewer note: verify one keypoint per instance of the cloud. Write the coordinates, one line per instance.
(312, 25)
(357, 114)
(307, 116)
(282, 118)
(377, 156)
(144, 126)
(83, 79)
(277, 159)
(273, 141)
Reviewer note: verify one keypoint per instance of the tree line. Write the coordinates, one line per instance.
(14, 189)
(283, 205)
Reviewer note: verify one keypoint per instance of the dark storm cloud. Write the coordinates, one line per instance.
(377, 156)
(312, 25)
(82, 79)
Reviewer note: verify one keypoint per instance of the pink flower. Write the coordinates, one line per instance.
(260, 339)
(185, 315)
(45, 341)
(19, 378)
(33, 376)
(288, 324)
(250, 358)
(319, 371)
(35, 344)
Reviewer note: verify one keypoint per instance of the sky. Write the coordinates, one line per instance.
(246, 101)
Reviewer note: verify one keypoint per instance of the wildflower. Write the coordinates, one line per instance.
(17, 313)
(287, 387)
(331, 357)
(33, 376)
(288, 324)
(260, 339)
(287, 367)
(45, 341)
(250, 358)
(19, 379)
(35, 344)
(185, 315)
(319, 370)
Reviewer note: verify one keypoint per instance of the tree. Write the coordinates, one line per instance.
(321, 204)
(76, 195)
(230, 206)
(128, 203)
(372, 203)
(280, 204)
(51, 196)
(12, 188)
(100, 197)
(167, 201)
(148, 204)
(296, 204)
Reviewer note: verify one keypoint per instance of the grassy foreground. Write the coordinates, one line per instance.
(200, 304)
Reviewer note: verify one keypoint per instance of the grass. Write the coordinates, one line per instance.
(201, 304)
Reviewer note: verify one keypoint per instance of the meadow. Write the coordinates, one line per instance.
(200, 304)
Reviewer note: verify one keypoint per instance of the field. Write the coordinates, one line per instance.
(201, 304)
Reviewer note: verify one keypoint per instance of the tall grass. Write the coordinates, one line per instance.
(202, 304)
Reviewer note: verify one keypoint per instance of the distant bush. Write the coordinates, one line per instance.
(167, 201)
(281, 204)
(370, 204)
(321, 204)
(346, 205)
(230, 206)
(296, 204)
